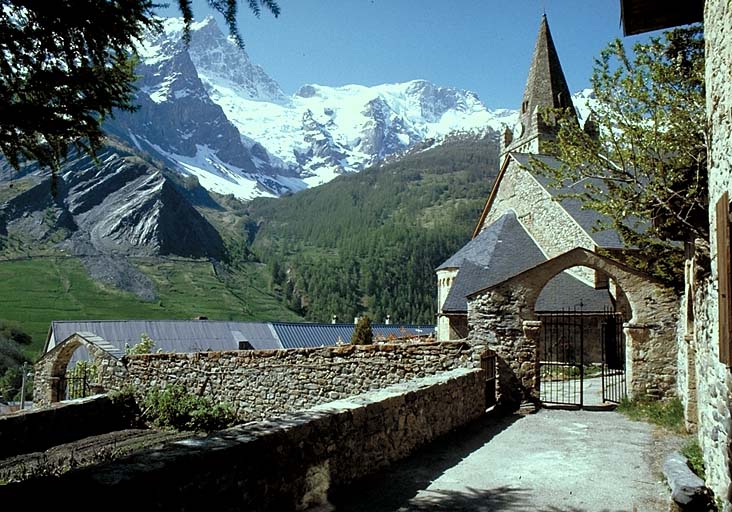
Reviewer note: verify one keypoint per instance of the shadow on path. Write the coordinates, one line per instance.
(393, 488)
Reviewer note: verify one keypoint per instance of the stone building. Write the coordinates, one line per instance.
(535, 252)
(704, 335)
(524, 221)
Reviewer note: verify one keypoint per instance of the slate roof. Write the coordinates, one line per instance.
(546, 86)
(587, 219)
(503, 250)
(566, 292)
(500, 251)
(497, 244)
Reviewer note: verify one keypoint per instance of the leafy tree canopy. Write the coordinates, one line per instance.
(643, 155)
(67, 64)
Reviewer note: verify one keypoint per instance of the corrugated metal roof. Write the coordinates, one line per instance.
(298, 335)
(204, 335)
(173, 335)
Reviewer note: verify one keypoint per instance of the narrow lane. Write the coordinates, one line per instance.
(552, 461)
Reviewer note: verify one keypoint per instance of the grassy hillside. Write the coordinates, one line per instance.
(37, 291)
(363, 243)
(369, 242)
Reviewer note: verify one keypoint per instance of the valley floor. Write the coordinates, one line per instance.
(552, 461)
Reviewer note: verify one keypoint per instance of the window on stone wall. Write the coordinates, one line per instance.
(724, 272)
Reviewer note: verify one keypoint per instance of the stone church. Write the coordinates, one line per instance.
(525, 222)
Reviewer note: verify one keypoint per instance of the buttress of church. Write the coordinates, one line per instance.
(526, 222)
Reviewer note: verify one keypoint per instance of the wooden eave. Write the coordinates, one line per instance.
(640, 16)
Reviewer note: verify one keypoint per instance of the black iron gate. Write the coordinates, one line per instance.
(579, 353)
(561, 356)
(72, 387)
(613, 359)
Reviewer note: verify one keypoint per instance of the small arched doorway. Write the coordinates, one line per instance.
(581, 343)
(72, 369)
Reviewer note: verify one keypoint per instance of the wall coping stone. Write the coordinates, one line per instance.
(687, 489)
(381, 395)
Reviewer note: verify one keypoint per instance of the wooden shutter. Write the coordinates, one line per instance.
(724, 269)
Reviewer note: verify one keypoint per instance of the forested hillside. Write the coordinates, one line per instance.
(369, 242)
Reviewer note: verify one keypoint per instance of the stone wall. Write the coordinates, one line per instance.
(713, 379)
(35, 430)
(50, 369)
(554, 230)
(290, 463)
(263, 383)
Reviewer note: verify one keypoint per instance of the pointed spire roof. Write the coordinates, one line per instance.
(546, 85)
(546, 88)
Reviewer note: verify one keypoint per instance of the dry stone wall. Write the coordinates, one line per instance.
(713, 379)
(288, 463)
(503, 318)
(260, 384)
(548, 223)
(34, 430)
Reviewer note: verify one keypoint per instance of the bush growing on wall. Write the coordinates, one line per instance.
(145, 346)
(174, 408)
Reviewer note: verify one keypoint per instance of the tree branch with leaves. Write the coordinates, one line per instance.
(643, 163)
(66, 65)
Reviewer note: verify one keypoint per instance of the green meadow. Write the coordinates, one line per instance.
(36, 291)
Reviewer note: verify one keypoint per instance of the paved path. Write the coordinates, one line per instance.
(552, 461)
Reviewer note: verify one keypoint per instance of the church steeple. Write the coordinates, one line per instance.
(546, 88)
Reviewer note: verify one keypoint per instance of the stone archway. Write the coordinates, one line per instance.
(503, 318)
(52, 366)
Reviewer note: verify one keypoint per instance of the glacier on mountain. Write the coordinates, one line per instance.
(208, 111)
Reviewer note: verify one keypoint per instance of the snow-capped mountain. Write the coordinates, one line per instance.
(207, 110)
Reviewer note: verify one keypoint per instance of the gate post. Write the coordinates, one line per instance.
(529, 370)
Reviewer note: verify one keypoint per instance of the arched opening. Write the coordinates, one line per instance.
(74, 372)
(580, 341)
(505, 318)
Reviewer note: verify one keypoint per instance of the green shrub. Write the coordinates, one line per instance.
(693, 453)
(362, 334)
(174, 408)
(668, 414)
(145, 346)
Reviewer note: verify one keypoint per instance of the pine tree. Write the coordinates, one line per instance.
(362, 334)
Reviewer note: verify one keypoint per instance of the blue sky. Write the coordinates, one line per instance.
(481, 45)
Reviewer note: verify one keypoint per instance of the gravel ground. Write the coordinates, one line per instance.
(551, 461)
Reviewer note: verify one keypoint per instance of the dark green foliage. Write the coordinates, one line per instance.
(174, 408)
(12, 356)
(646, 160)
(369, 242)
(693, 453)
(65, 65)
(362, 334)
